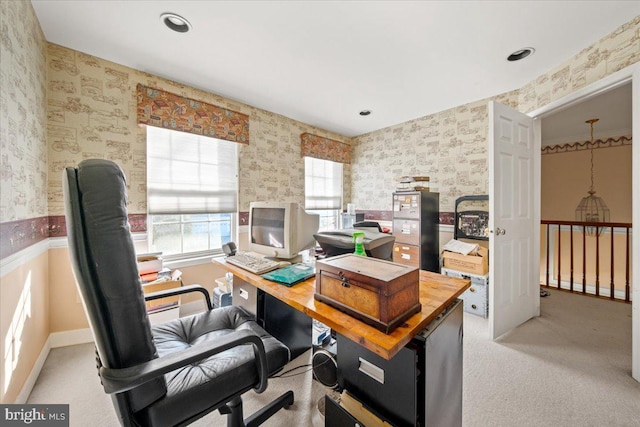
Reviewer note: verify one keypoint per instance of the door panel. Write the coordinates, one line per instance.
(513, 296)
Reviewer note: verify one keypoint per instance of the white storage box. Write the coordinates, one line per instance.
(476, 298)
(477, 307)
(149, 263)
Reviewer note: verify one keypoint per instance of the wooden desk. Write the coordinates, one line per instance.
(437, 292)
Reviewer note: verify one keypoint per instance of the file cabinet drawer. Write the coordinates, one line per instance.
(406, 254)
(337, 416)
(407, 231)
(406, 205)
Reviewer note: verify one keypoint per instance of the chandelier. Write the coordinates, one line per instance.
(592, 208)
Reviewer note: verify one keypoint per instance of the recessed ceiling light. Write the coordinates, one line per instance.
(520, 54)
(365, 112)
(175, 22)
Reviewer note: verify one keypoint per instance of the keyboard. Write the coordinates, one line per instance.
(252, 263)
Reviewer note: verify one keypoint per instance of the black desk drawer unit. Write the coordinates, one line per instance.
(288, 325)
(419, 386)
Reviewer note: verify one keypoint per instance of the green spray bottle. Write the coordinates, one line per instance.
(358, 239)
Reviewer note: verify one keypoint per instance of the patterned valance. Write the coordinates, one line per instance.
(167, 110)
(325, 148)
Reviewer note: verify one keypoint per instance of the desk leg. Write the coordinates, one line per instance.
(290, 326)
(250, 298)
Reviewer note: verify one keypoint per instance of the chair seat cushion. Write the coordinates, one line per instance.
(216, 378)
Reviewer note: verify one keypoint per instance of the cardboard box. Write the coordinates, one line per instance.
(161, 303)
(476, 264)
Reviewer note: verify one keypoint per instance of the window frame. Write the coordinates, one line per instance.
(200, 256)
(337, 211)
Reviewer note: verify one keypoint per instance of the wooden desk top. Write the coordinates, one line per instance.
(437, 292)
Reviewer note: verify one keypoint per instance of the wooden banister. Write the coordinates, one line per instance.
(606, 228)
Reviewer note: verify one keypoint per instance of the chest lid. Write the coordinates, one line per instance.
(386, 276)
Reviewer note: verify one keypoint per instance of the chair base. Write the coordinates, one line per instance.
(233, 410)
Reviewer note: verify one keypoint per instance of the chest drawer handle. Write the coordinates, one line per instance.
(344, 280)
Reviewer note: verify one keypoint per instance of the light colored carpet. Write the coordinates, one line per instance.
(69, 376)
(569, 367)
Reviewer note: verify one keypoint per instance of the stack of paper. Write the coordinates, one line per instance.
(461, 247)
(412, 183)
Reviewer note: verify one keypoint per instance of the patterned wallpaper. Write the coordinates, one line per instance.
(23, 148)
(91, 105)
(451, 146)
(612, 53)
(92, 114)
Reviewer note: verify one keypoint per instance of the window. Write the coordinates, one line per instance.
(323, 190)
(192, 192)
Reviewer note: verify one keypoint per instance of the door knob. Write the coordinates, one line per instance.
(499, 231)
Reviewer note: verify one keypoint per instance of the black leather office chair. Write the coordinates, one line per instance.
(173, 373)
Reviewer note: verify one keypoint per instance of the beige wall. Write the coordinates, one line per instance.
(566, 178)
(24, 322)
(451, 146)
(65, 306)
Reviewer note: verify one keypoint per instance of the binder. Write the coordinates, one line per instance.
(291, 274)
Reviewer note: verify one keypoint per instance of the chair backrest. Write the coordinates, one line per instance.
(104, 263)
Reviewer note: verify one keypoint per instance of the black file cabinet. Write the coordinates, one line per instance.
(416, 218)
(419, 386)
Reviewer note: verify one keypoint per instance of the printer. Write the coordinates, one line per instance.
(337, 242)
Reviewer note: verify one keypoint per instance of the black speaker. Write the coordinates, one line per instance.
(324, 364)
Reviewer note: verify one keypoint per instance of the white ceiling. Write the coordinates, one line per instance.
(321, 62)
(612, 109)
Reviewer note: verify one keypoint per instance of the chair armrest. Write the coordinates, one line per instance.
(179, 291)
(124, 379)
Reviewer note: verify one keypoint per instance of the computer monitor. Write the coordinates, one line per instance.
(281, 229)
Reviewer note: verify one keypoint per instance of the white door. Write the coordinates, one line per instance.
(514, 219)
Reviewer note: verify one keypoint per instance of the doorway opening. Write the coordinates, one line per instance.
(575, 257)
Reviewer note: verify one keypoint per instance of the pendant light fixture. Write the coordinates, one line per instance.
(592, 208)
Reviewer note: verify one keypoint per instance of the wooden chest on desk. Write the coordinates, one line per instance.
(380, 293)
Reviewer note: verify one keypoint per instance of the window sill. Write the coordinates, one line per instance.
(189, 262)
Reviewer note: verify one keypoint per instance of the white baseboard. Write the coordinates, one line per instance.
(33, 375)
(605, 290)
(66, 338)
(55, 339)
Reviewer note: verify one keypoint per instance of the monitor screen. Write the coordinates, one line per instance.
(267, 227)
(281, 229)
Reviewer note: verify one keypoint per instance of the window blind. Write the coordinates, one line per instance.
(323, 184)
(190, 174)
